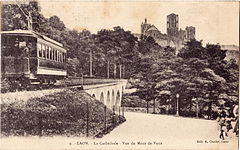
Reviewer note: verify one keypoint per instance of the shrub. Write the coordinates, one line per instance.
(63, 113)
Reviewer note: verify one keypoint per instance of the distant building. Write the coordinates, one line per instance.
(175, 37)
(172, 25)
(190, 32)
(182, 34)
(148, 29)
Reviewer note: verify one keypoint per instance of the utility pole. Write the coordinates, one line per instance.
(108, 65)
(115, 71)
(91, 61)
(177, 96)
(197, 107)
(120, 71)
(196, 100)
(154, 105)
(123, 71)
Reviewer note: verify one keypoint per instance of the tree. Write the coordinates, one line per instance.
(117, 47)
(55, 22)
(192, 48)
(73, 67)
(197, 72)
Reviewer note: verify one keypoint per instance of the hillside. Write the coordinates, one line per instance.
(60, 113)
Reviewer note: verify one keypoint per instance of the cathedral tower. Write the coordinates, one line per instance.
(172, 24)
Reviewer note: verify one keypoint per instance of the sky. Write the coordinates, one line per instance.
(215, 22)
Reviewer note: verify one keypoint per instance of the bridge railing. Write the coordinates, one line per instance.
(89, 81)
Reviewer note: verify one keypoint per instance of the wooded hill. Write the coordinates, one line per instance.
(198, 74)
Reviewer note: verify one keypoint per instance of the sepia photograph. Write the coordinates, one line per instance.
(119, 74)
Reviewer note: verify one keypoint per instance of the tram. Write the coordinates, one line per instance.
(28, 57)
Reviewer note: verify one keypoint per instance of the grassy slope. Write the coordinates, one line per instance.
(62, 113)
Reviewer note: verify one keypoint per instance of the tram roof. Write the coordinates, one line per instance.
(29, 32)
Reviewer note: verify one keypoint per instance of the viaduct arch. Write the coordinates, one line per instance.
(109, 94)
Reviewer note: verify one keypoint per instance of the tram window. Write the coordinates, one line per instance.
(10, 46)
(50, 53)
(64, 57)
(6, 45)
(22, 44)
(53, 54)
(44, 51)
(39, 49)
(61, 57)
(56, 55)
(47, 51)
(32, 46)
(16, 45)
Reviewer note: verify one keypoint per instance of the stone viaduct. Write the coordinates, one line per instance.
(109, 94)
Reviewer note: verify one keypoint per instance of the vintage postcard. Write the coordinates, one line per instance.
(127, 74)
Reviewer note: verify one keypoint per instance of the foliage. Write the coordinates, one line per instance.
(60, 113)
(200, 75)
(14, 16)
(133, 101)
(195, 72)
(72, 67)
(115, 46)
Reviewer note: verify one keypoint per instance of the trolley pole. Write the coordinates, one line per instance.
(29, 18)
